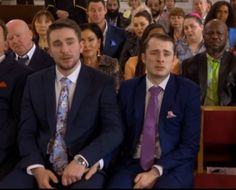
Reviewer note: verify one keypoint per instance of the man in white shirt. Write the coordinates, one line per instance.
(161, 141)
(66, 129)
(19, 39)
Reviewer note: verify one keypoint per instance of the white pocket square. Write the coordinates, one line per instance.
(170, 114)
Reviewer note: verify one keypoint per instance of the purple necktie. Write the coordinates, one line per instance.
(148, 142)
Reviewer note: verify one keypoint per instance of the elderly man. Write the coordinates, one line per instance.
(23, 49)
(215, 69)
(12, 81)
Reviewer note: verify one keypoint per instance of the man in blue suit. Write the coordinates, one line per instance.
(113, 36)
(93, 122)
(12, 82)
(22, 47)
(176, 122)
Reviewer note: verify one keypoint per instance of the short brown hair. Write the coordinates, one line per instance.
(177, 11)
(159, 36)
(64, 23)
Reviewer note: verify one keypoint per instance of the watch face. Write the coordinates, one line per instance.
(80, 160)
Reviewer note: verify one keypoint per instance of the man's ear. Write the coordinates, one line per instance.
(81, 43)
(143, 58)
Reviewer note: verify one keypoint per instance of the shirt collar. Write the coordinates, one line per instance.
(211, 59)
(72, 77)
(105, 33)
(163, 84)
(29, 53)
(2, 57)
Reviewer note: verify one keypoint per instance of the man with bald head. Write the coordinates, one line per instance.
(24, 50)
(215, 69)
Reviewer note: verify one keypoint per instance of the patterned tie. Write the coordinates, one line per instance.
(58, 156)
(23, 60)
(212, 95)
(148, 142)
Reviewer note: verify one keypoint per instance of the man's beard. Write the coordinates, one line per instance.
(155, 14)
(218, 49)
(112, 14)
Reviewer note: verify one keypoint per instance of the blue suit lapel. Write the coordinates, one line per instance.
(6, 66)
(50, 95)
(169, 96)
(139, 107)
(107, 42)
(167, 105)
(83, 84)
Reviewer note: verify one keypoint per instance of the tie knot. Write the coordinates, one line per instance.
(154, 91)
(23, 59)
(65, 81)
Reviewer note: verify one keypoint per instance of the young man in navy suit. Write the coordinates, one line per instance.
(93, 122)
(22, 47)
(12, 81)
(169, 161)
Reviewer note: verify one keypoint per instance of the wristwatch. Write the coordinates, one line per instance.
(79, 160)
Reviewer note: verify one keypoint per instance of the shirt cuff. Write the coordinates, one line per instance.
(29, 168)
(159, 168)
(101, 164)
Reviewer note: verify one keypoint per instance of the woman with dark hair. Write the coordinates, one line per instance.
(222, 10)
(92, 55)
(139, 22)
(134, 66)
(40, 23)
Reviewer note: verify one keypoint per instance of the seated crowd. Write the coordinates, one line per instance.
(91, 97)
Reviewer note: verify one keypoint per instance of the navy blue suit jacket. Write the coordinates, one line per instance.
(179, 136)
(12, 80)
(115, 39)
(40, 59)
(94, 127)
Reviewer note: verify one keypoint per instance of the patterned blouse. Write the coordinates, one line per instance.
(110, 66)
(183, 50)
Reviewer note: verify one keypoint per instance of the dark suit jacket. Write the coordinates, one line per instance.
(115, 39)
(179, 136)
(12, 81)
(40, 59)
(94, 127)
(195, 69)
(76, 12)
